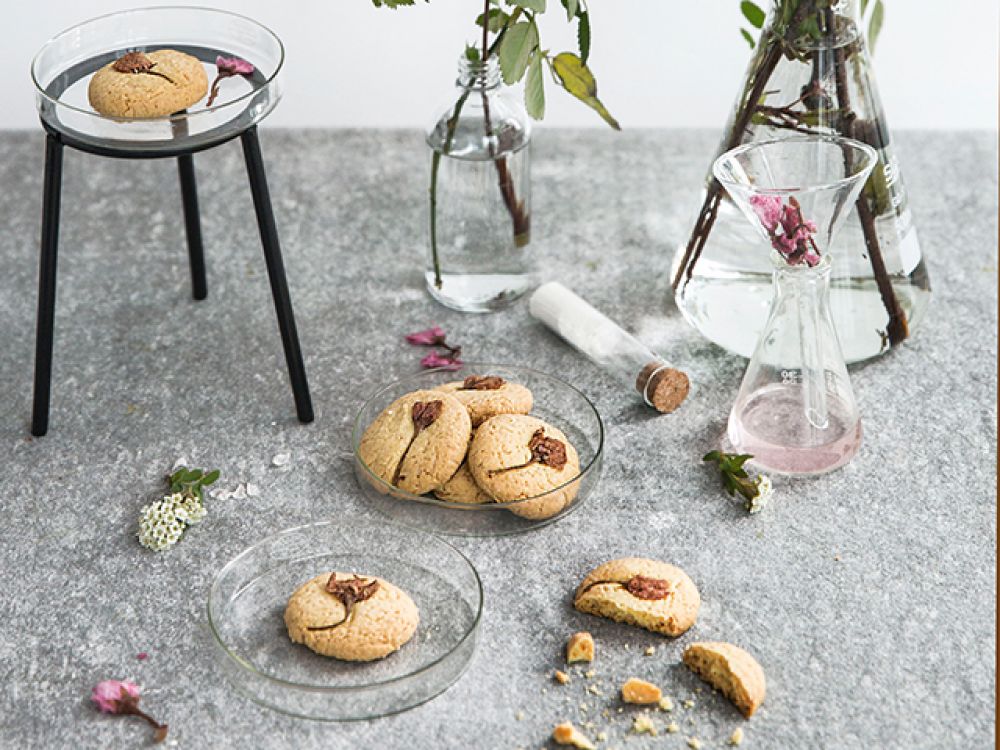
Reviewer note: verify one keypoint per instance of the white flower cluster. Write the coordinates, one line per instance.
(163, 523)
(764, 492)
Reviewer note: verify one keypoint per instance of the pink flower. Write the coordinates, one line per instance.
(108, 695)
(142, 656)
(435, 360)
(233, 66)
(122, 697)
(768, 210)
(430, 337)
(226, 67)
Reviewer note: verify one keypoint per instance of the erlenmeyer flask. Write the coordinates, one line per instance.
(810, 73)
(795, 411)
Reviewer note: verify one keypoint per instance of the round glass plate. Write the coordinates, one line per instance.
(62, 70)
(555, 401)
(246, 607)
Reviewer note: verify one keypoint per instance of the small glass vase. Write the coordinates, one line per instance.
(479, 219)
(795, 412)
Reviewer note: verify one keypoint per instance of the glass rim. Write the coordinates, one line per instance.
(339, 689)
(397, 494)
(870, 154)
(176, 117)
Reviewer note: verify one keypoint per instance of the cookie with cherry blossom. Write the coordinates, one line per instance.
(418, 442)
(639, 591)
(351, 617)
(514, 457)
(486, 396)
(148, 84)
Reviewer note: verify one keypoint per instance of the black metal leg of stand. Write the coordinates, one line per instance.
(47, 285)
(276, 274)
(192, 225)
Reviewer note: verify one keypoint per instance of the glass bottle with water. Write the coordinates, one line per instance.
(479, 217)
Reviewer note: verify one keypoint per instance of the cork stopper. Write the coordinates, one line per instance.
(663, 387)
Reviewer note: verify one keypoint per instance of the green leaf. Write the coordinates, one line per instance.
(498, 19)
(534, 88)
(210, 478)
(712, 456)
(393, 3)
(472, 53)
(753, 14)
(583, 36)
(750, 40)
(864, 7)
(572, 8)
(518, 43)
(875, 24)
(536, 5)
(577, 79)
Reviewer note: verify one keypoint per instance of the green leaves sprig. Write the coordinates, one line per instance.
(191, 482)
(522, 57)
(734, 476)
(521, 54)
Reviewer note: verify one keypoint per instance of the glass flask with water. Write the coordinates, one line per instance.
(479, 218)
(810, 73)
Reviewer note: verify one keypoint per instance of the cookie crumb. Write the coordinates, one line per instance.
(673, 728)
(561, 677)
(736, 738)
(584, 707)
(694, 743)
(666, 704)
(519, 716)
(590, 674)
(650, 650)
(640, 691)
(642, 724)
(580, 647)
(593, 689)
(688, 703)
(567, 734)
(281, 459)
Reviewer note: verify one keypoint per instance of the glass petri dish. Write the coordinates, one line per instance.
(555, 401)
(247, 601)
(62, 69)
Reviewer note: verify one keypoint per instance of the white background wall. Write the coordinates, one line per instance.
(659, 63)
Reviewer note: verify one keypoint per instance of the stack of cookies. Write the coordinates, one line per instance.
(473, 441)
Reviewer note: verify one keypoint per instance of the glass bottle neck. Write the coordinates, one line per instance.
(478, 75)
(787, 276)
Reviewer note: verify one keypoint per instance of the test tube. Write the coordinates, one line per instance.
(660, 384)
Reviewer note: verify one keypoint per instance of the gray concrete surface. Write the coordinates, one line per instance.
(868, 595)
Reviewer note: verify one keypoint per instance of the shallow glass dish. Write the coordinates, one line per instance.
(246, 607)
(555, 401)
(62, 69)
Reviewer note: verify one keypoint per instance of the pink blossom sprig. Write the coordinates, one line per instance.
(791, 233)
(225, 68)
(122, 697)
(435, 336)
